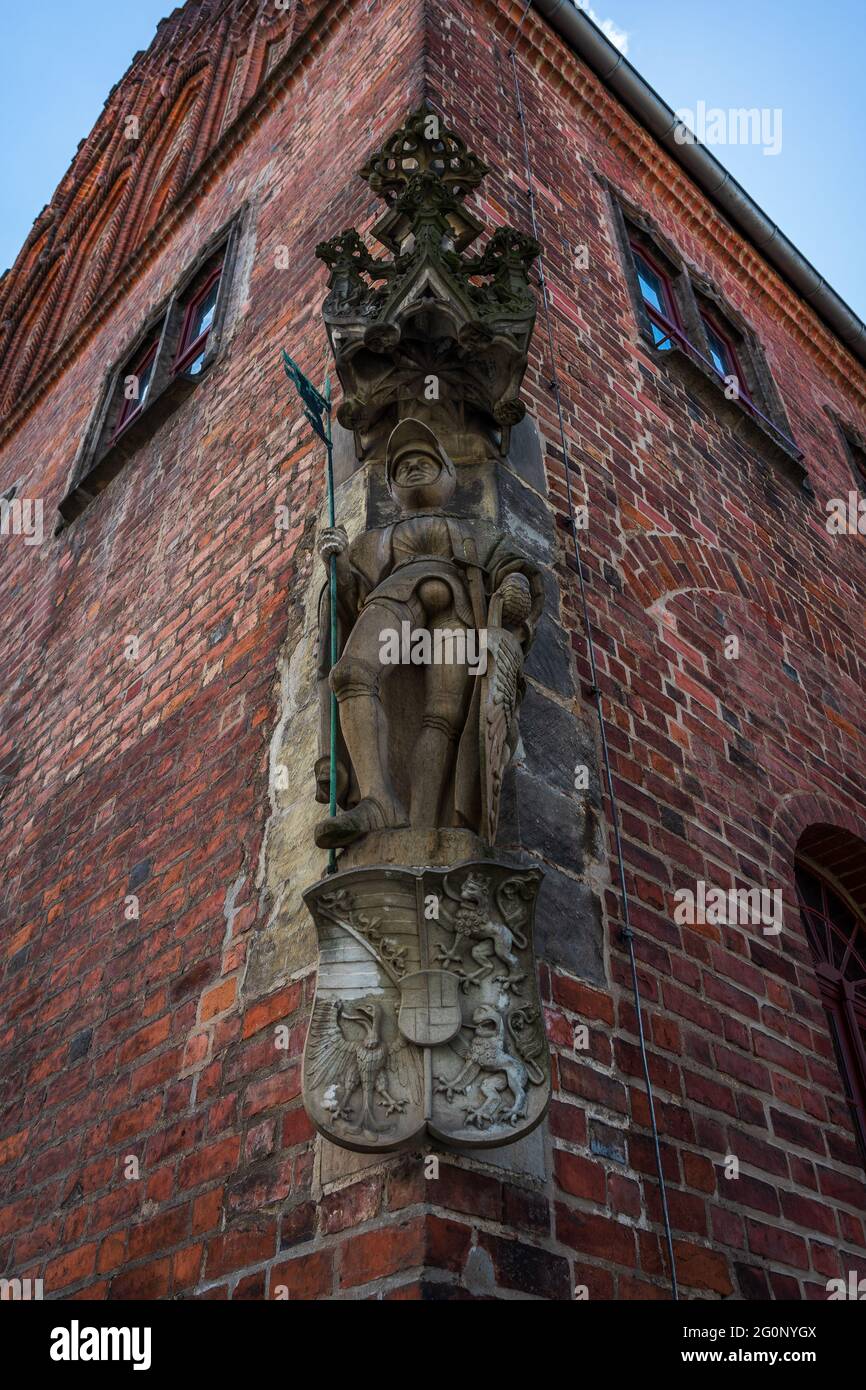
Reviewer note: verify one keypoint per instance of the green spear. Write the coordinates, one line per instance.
(317, 409)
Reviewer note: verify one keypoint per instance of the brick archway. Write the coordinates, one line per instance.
(795, 814)
(840, 854)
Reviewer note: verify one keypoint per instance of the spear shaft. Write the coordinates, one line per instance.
(332, 521)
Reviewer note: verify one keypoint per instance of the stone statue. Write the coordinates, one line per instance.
(427, 1019)
(451, 699)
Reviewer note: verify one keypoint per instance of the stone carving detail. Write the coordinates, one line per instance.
(423, 745)
(345, 1063)
(339, 908)
(429, 309)
(454, 1044)
(425, 1021)
(474, 920)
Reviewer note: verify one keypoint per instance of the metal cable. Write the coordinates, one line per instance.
(627, 932)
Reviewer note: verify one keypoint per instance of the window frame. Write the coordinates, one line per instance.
(140, 360)
(757, 405)
(670, 324)
(188, 351)
(110, 438)
(712, 325)
(846, 1014)
(855, 452)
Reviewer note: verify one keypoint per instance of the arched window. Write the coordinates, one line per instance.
(837, 936)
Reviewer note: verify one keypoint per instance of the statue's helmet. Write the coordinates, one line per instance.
(412, 439)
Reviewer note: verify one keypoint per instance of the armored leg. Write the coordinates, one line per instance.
(433, 759)
(355, 681)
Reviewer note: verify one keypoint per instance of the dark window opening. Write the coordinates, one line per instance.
(837, 938)
(134, 385)
(857, 457)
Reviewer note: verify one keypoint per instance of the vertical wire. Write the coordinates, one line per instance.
(627, 932)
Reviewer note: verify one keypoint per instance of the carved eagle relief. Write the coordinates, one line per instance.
(357, 1069)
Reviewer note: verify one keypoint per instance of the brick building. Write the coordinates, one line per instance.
(157, 697)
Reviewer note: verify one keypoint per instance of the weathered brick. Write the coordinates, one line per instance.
(238, 1248)
(379, 1253)
(580, 1177)
(700, 1268)
(527, 1268)
(595, 1236)
(307, 1276)
(215, 1161)
(777, 1244)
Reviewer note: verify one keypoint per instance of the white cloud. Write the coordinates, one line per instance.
(618, 37)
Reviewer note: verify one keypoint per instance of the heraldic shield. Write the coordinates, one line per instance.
(427, 1015)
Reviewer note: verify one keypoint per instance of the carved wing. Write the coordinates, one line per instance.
(404, 1065)
(330, 1055)
(500, 698)
(461, 1043)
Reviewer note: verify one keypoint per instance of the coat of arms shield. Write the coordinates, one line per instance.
(427, 1016)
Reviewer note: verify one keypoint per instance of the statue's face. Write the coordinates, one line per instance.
(415, 469)
(421, 480)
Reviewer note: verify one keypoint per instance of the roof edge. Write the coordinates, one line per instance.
(708, 173)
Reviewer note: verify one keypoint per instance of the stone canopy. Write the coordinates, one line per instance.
(429, 330)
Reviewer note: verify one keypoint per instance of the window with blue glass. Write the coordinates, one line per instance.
(658, 297)
(198, 321)
(683, 315)
(724, 355)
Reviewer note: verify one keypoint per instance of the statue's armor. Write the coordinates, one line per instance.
(423, 552)
(391, 562)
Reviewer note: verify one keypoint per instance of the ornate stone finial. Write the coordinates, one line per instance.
(428, 310)
(423, 146)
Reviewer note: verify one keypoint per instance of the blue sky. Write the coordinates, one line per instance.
(59, 60)
(805, 59)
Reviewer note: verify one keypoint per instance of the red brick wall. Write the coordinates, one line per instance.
(137, 1037)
